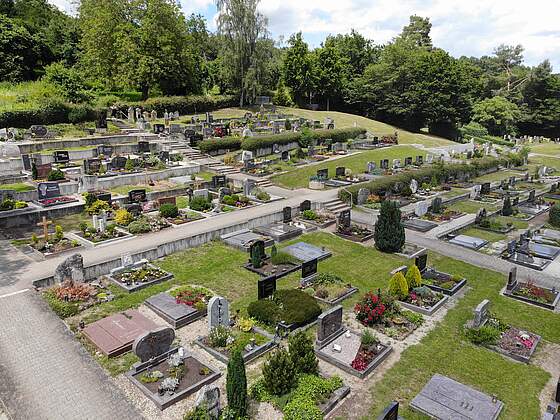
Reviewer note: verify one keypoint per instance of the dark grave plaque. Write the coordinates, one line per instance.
(512, 279)
(305, 205)
(118, 162)
(408, 161)
(257, 248)
(531, 196)
(61, 156)
(26, 162)
(323, 174)
(43, 170)
(391, 412)
(159, 128)
(287, 215)
(285, 155)
(557, 396)
(485, 188)
(384, 163)
(164, 156)
(137, 196)
(101, 120)
(515, 201)
(219, 181)
(106, 151)
(143, 147)
(421, 261)
(267, 287)
(47, 190)
(92, 165)
(309, 268)
(511, 247)
(167, 200)
(344, 218)
(340, 172)
(104, 196)
(135, 209)
(39, 130)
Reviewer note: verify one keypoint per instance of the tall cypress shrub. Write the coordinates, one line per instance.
(236, 385)
(389, 231)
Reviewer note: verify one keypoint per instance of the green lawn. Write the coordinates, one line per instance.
(551, 162)
(496, 176)
(19, 187)
(343, 120)
(454, 192)
(546, 149)
(298, 178)
(470, 206)
(124, 189)
(483, 234)
(518, 224)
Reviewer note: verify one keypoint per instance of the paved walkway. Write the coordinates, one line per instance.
(46, 374)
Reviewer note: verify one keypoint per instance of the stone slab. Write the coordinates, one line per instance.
(279, 231)
(306, 252)
(115, 334)
(470, 242)
(176, 314)
(446, 399)
(242, 239)
(419, 225)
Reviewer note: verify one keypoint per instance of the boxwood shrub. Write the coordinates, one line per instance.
(289, 305)
(225, 143)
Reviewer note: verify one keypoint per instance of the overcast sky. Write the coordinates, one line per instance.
(462, 27)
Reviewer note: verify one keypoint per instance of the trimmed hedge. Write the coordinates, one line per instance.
(184, 104)
(225, 143)
(396, 183)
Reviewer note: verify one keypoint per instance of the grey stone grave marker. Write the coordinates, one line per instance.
(209, 397)
(218, 312)
(481, 313)
(248, 186)
(344, 218)
(421, 208)
(370, 168)
(419, 160)
(475, 192)
(363, 194)
(329, 324)
(153, 343)
(201, 193)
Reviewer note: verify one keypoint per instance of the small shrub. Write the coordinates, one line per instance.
(265, 311)
(97, 207)
(20, 205)
(327, 278)
(58, 232)
(554, 215)
(368, 339)
(218, 336)
(279, 373)
(83, 227)
(55, 175)
(309, 215)
(262, 195)
(297, 306)
(123, 217)
(413, 277)
(302, 354)
(198, 413)
(139, 226)
(483, 335)
(236, 385)
(200, 204)
(168, 210)
(398, 286)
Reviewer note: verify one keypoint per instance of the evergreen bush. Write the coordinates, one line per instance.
(398, 286)
(413, 277)
(302, 354)
(279, 373)
(236, 385)
(389, 232)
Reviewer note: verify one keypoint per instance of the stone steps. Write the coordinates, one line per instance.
(335, 205)
(263, 183)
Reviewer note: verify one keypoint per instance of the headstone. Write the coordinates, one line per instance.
(159, 128)
(167, 200)
(391, 412)
(26, 162)
(248, 186)
(421, 261)
(485, 188)
(201, 193)
(257, 247)
(39, 130)
(363, 194)
(480, 215)
(515, 201)
(287, 215)
(43, 170)
(47, 190)
(164, 156)
(408, 161)
(511, 181)
(106, 151)
(137, 196)
(222, 192)
(340, 172)
(219, 181)
(209, 398)
(475, 192)
(329, 324)
(61, 156)
(370, 168)
(143, 147)
(384, 163)
(512, 279)
(285, 155)
(413, 186)
(396, 163)
(266, 287)
(481, 313)
(305, 205)
(72, 268)
(153, 343)
(92, 165)
(511, 246)
(344, 218)
(531, 198)
(421, 208)
(557, 396)
(419, 160)
(246, 155)
(309, 268)
(323, 174)
(429, 158)
(218, 312)
(126, 260)
(118, 162)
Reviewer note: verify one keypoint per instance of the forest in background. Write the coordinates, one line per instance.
(121, 51)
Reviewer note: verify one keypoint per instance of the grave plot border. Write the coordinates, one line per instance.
(248, 357)
(295, 268)
(336, 398)
(449, 292)
(550, 306)
(139, 286)
(425, 311)
(48, 255)
(516, 357)
(165, 401)
(349, 292)
(176, 324)
(91, 244)
(323, 225)
(354, 238)
(347, 368)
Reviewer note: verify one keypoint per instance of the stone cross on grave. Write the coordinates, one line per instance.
(45, 224)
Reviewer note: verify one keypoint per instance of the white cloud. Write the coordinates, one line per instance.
(463, 27)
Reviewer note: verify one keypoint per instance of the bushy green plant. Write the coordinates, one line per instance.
(483, 335)
(310, 390)
(265, 311)
(554, 215)
(198, 413)
(168, 210)
(302, 354)
(309, 215)
(389, 232)
(414, 317)
(368, 339)
(7, 204)
(297, 306)
(282, 257)
(55, 175)
(279, 373)
(123, 217)
(58, 232)
(507, 209)
(61, 308)
(98, 206)
(413, 277)
(225, 143)
(218, 336)
(398, 286)
(262, 195)
(200, 204)
(20, 205)
(129, 165)
(139, 226)
(236, 385)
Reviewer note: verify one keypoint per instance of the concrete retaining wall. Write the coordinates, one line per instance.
(96, 270)
(282, 147)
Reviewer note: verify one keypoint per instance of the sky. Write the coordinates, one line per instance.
(461, 27)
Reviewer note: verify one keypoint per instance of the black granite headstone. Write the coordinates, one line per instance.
(48, 190)
(421, 262)
(137, 196)
(512, 278)
(287, 215)
(143, 147)
(118, 162)
(323, 174)
(26, 162)
(219, 181)
(159, 128)
(305, 205)
(92, 165)
(106, 151)
(309, 268)
(391, 412)
(61, 156)
(266, 287)
(285, 155)
(344, 218)
(408, 161)
(340, 172)
(485, 188)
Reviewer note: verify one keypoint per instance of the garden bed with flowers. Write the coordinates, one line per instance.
(181, 306)
(354, 233)
(535, 295)
(221, 341)
(49, 202)
(331, 289)
(55, 244)
(142, 274)
(320, 219)
(381, 312)
(412, 295)
(70, 298)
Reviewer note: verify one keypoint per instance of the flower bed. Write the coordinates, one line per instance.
(319, 219)
(184, 217)
(111, 233)
(331, 289)
(535, 295)
(442, 282)
(251, 341)
(69, 298)
(354, 233)
(145, 224)
(237, 201)
(49, 202)
(381, 312)
(445, 216)
(54, 246)
(423, 300)
(141, 275)
(280, 264)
